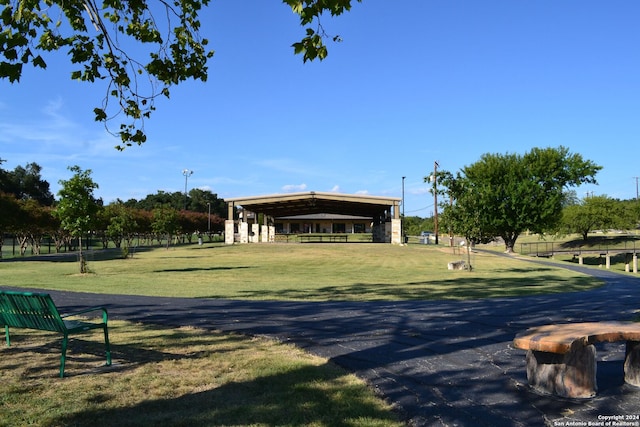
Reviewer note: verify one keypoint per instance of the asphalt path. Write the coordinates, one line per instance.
(441, 363)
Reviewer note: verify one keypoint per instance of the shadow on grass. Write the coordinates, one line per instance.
(92, 255)
(288, 395)
(181, 270)
(453, 289)
(289, 398)
(40, 356)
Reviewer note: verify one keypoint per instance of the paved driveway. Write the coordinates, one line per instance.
(441, 362)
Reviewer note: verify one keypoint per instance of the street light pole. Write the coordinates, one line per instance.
(402, 220)
(209, 220)
(187, 173)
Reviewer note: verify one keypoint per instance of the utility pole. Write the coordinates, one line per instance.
(636, 177)
(435, 199)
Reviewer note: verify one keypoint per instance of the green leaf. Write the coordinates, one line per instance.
(39, 62)
(100, 114)
(11, 71)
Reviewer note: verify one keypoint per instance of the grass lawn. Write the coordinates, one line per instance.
(178, 377)
(318, 272)
(191, 377)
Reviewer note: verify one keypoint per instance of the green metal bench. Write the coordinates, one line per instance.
(38, 311)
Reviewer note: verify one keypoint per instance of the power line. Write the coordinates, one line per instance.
(421, 209)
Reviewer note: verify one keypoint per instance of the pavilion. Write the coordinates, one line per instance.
(379, 215)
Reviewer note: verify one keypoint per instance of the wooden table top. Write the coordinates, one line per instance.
(559, 337)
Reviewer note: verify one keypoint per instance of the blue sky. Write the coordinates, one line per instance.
(413, 82)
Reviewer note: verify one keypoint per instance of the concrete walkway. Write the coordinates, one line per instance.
(442, 363)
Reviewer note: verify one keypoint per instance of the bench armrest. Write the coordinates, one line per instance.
(105, 316)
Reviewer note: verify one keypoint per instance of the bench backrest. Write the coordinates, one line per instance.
(29, 310)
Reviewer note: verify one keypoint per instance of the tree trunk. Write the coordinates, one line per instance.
(83, 263)
(510, 242)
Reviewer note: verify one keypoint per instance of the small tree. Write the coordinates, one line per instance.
(597, 212)
(77, 207)
(165, 222)
(121, 225)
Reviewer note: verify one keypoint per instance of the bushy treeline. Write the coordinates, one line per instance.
(599, 213)
(28, 212)
(414, 225)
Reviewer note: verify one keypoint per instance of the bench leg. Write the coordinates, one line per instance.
(107, 345)
(567, 375)
(632, 363)
(63, 355)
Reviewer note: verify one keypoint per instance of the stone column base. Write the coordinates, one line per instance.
(244, 232)
(229, 232)
(567, 375)
(632, 364)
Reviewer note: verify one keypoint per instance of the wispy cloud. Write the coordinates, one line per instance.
(291, 188)
(419, 191)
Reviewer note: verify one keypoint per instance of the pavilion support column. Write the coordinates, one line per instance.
(229, 232)
(264, 230)
(254, 237)
(396, 237)
(387, 227)
(377, 233)
(244, 232)
(377, 230)
(229, 225)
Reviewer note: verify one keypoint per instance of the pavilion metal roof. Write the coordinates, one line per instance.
(292, 204)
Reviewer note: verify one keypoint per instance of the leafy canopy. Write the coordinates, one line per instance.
(26, 183)
(503, 195)
(596, 212)
(101, 36)
(77, 206)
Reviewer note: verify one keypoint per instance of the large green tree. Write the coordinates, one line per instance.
(27, 183)
(78, 207)
(127, 43)
(503, 195)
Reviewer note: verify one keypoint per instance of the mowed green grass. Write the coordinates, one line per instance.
(185, 377)
(315, 272)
